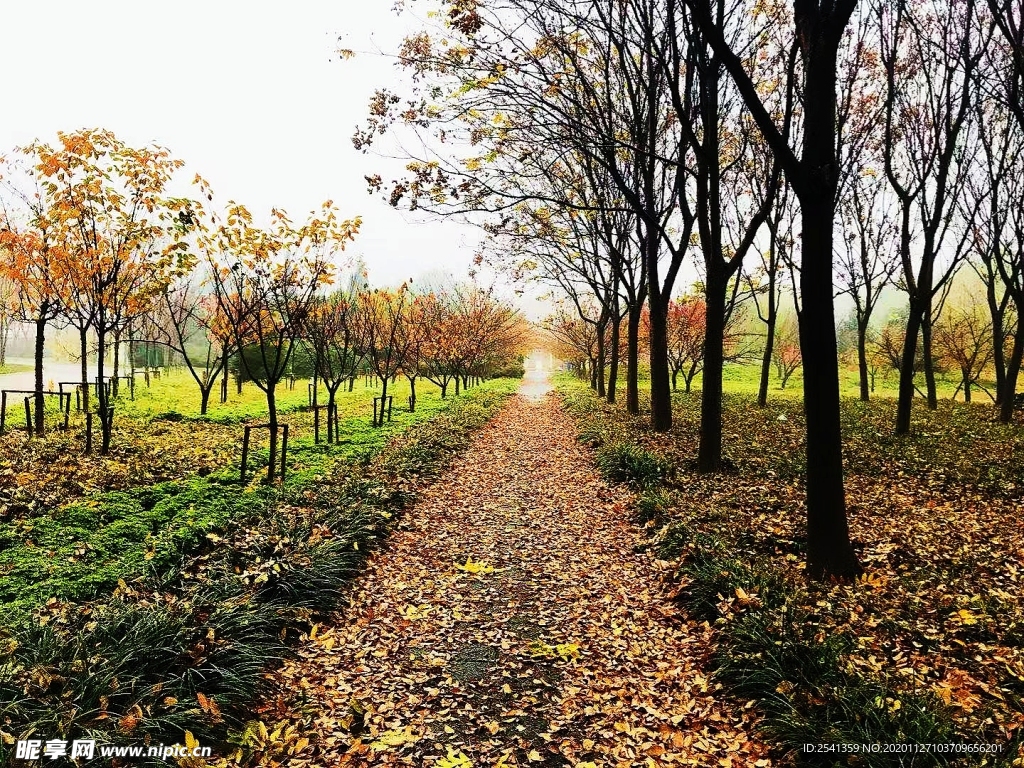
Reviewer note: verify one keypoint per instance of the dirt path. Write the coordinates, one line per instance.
(566, 653)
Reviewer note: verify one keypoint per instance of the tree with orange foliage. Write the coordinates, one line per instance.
(108, 200)
(30, 247)
(686, 324)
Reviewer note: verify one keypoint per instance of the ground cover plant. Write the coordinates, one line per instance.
(925, 647)
(160, 436)
(172, 598)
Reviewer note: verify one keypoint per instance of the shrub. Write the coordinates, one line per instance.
(626, 463)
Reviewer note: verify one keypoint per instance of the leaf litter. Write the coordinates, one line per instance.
(514, 619)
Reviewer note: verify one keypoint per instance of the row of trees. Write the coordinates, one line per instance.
(603, 142)
(89, 238)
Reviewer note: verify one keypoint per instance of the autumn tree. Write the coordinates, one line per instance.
(868, 255)
(995, 197)
(266, 282)
(553, 72)
(686, 323)
(337, 330)
(10, 300)
(930, 53)
(386, 344)
(963, 337)
(786, 351)
(109, 200)
(813, 173)
(574, 340)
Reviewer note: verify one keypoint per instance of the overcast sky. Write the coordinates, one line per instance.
(252, 96)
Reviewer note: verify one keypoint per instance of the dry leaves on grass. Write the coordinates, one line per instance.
(510, 622)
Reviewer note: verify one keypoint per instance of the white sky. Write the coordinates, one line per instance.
(250, 95)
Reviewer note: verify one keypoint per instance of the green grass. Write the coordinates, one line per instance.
(84, 548)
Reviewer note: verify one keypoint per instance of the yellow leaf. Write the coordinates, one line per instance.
(477, 567)
(454, 760)
(534, 756)
(394, 738)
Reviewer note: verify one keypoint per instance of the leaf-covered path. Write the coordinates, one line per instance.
(566, 653)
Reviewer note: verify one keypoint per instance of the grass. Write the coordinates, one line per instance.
(927, 647)
(171, 630)
(15, 368)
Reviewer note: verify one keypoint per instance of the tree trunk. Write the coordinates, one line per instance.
(862, 360)
(1013, 365)
(383, 397)
(829, 551)
(907, 362)
(613, 365)
(633, 360)
(224, 377)
(412, 395)
(709, 454)
(444, 390)
(40, 422)
(332, 428)
(675, 376)
(101, 385)
(998, 353)
(929, 362)
(83, 348)
(204, 402)
(766, 358)
(272, 422)
(601, 327)
(117, 364)
(967, 385)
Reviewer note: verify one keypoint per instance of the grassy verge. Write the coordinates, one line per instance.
(210, 585)
(925, 649)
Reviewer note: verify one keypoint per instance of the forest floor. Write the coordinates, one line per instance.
(513, 619)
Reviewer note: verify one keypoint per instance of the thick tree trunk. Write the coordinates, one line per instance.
(829, 551)
(444, 390)
(967, 385)
(907, 362)
(204, 401)
(709, 454)
(40, 404)
(633, 360)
